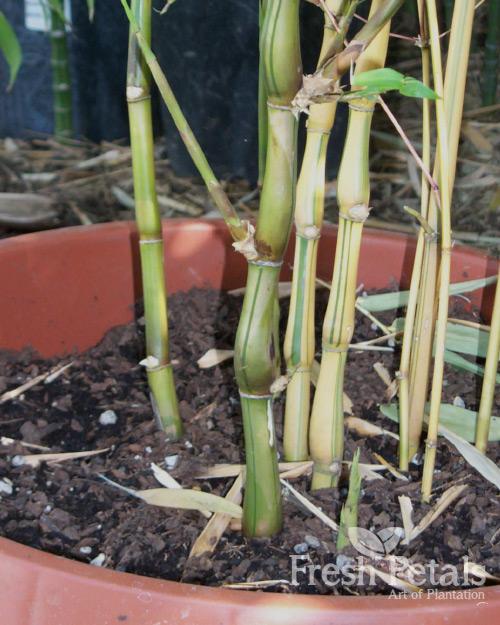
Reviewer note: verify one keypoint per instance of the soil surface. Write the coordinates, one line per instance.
(68, 510)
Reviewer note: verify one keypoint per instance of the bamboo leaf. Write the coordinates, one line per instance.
(185, 498)
(9, 45)
(474, 457)
(399, 299)
(462, 364)
(416, 89)
(386, 79)
(447, 498)
(461, 421)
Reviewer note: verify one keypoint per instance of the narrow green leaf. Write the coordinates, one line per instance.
(190, 499)
(416, 89)
(466, 340)
(462, 364)
(9, 45)
(380, 80)
(399, 299)
(461, 421)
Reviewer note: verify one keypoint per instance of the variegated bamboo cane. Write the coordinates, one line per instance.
(158, 365)
(463, 19)
(61, 80)
(299, 339)
(353, 193)
(257, 347)
(454, 89)
(411, 310)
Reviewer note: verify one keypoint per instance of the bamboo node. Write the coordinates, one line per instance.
(247, 246)
(266, 263)
(249, 396)
(150, 241)
(321, 132)
(361, 109)
(358, 213)
(335, 350)
(135, 94)
(400, 375)
(430, 444)
(280, 107)
(333, 469)
(151, 363)
(310, 232)
(447, 250)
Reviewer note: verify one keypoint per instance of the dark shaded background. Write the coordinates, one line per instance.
(209, 52)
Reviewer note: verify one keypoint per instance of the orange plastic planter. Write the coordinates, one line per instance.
(64, 289)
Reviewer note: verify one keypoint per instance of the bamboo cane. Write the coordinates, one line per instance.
(463, 20)
(349, 512)
(299, 339)
(262, 104)
(257, 347)
(158, 365)
(61, 81)
(402, 374)
(454, 89)
(353, 193)
(490, 375)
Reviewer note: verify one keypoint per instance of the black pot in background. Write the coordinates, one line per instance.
(209, 52)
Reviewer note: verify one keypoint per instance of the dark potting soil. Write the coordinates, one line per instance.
(67, 510)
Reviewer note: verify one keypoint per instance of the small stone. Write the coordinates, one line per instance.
(148, 450)
(86, 550)
(171, 461)
(458, 401)
(137, 457)
(6, 486)
(108, 417)
(17, 461)
(343, 560)
(374, 326)
(188, 445)
(312, 541)
(98, 560)
(301, 548)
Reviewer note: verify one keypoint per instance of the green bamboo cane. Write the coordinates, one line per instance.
(299, 340)
(454, 90)
(262, 104)
(463, 20)
(257, 348)
(239, 230)
(411, 310)
(490, 69)
(158, 365)
(353, 194)
(490, 372)
(349, 512)
(61, 80)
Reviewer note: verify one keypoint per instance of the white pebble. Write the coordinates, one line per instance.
(98, 560)
(312, 541)
(458, 401)
(47, 508)
(108, 417)
(86, 551)
(171, 461)
(301, 548)
(374, 326)
(188, 445)
(148, 450)
(137, 457)
(6, 486)
(17, 461)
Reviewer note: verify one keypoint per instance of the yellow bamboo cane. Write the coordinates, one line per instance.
(353, 193)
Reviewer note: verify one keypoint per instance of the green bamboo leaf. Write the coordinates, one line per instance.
(9, 45)
(379, 80)
(399, 299)
(416, 89)
(461, 421)
(462, 364)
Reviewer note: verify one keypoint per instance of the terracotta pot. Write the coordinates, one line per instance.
(63, 289)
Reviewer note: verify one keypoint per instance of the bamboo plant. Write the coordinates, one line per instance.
(283, 94)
